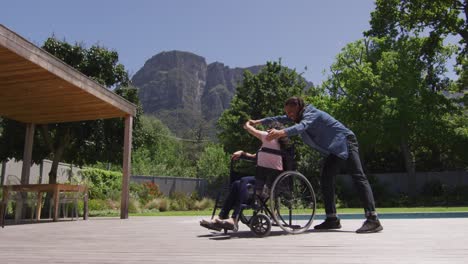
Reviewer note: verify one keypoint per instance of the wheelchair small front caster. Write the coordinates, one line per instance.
(260, 224)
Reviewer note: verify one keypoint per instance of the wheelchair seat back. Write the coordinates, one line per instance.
(287, 156)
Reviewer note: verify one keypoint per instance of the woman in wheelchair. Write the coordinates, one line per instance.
(239, 189)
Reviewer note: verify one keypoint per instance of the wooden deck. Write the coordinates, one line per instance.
(181, 240)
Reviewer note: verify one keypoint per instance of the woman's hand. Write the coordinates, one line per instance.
(254, 122)
(236, 155)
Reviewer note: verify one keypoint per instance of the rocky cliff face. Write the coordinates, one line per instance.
(220, 87)
(184, 92)
(171, 80)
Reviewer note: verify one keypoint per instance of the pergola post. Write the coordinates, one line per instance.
(27, 154)
(25, 170)
(127, 159)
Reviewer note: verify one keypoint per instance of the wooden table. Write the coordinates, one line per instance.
(40, 189)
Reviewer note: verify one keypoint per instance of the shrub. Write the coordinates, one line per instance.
(349, 197)
(433, 193)
(433, 188)
(114, 195)
(458, 195)
(176, 205)
(113, 204)
(152, 205)
(135, 190)
(102, 183)
(213, 163)
(149, 191)
(180, 201)
(145, 192)
(160, 204)
(98, 205)
(163, 204)
(134, 206)
(204, 203)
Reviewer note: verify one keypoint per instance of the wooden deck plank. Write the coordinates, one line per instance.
(181, 240)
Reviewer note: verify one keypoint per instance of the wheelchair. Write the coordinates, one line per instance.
(285, 198)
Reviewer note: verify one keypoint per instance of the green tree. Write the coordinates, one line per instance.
(396, 20)
(442, 17)
(77, 142)
(437, 18)
(258, 96)
(385, 94)
(213, 164)
(159, 152)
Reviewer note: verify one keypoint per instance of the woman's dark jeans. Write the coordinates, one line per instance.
(237, 196)
(332, 167)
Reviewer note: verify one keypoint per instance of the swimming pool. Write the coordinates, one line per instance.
(403, 215)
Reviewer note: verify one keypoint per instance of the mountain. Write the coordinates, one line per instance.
(185, 92)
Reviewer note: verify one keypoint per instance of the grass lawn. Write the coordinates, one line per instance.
(319, 211)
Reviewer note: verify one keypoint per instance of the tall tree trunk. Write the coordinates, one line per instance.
(409, 165)
(63, 138)
(55, 162)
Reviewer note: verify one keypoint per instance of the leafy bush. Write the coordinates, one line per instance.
(134, 206)
(152, 205)
(98, 205)
(458, 195)
(213, 163)
(179, 201)
(349, 197)
(203, 204)
(176, 205)
(145, 192)
(150, 191)
(161, 204)
(135, 189)
(433, 188)
(102, 183)
(157, 152)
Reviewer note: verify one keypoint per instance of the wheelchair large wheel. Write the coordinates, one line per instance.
(260, 224)
(292, 201)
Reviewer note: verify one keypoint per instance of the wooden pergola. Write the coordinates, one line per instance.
(38, 88)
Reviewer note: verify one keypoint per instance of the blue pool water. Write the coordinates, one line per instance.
(403, 215)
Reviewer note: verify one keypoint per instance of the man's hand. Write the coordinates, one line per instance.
(275, 134)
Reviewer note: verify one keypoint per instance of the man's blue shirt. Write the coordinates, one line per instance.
(319, 130)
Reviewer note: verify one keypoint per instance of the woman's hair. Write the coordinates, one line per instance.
(283, 141)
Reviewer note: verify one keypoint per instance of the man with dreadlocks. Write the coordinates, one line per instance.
(339, 146)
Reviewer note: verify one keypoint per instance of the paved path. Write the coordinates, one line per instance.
(181, 240)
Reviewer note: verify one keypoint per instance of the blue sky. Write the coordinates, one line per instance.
(238, 33)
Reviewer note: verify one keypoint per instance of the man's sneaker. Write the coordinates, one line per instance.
(329, 223)
(370, 226)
